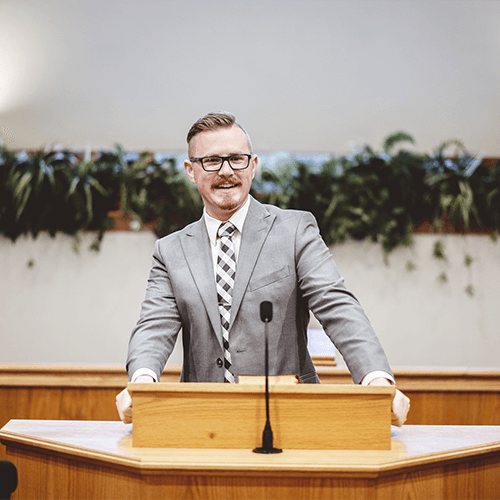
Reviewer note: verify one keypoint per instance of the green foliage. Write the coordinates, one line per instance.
(410, 266)
(49, 191)
(56, 191)
(157, 191)
(438, 251)
(443, 278)
(451, 188)
(397, 138)
(381, 197)
(362, 196)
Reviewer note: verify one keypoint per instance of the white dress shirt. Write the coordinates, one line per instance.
(238, 220)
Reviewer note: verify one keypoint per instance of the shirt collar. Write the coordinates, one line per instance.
(238, 219)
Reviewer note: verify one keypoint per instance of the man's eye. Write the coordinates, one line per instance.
(212, 160)
(238, 158)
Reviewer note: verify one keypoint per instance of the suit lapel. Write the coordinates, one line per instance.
(198, 254)
(255, 230)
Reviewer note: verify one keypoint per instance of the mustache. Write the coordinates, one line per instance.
(225, 183)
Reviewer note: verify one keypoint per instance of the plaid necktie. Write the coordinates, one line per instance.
(226, 270)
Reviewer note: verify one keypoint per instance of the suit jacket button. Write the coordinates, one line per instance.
(219, 362)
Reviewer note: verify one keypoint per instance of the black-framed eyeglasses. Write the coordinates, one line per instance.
(214, 163)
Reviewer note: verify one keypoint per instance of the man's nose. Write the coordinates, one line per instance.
(225, 169)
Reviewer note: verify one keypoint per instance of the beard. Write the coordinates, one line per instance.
(225, 201)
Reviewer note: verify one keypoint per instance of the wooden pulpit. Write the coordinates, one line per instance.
(302, 416)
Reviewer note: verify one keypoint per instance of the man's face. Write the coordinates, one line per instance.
(225, 191)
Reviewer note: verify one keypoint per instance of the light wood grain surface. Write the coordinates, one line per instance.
(314, 416)
(112, 441)
(75, 460)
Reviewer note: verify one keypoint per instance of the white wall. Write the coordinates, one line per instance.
(71, 307)
(301, 75)
(79, 308)
(421, 320)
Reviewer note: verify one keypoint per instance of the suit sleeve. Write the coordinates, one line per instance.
(335, 307)
(154, 336)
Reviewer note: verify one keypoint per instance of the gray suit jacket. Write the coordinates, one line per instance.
(282, 259)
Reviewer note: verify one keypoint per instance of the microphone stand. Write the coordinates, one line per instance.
(267, 435)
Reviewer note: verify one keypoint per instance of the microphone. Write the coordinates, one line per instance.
(266, 315)
(266, 311)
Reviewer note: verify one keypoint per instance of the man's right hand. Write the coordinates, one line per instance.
(124, 401)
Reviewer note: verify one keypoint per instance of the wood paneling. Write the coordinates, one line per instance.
(65, 479)
(438, 397)
(441, 397)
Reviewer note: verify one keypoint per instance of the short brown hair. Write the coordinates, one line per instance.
(214, 121)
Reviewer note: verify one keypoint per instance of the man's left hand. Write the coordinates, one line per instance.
(400, 403)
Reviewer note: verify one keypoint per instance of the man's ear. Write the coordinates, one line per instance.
(188, 167)
(253, 164)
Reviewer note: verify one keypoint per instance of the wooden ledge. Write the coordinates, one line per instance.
(110, 376)
(115, 376)
(428, 380)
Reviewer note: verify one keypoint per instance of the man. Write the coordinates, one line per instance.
(209, 280)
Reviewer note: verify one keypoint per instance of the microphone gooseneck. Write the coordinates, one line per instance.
(266, 315)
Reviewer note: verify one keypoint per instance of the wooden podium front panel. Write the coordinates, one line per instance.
(226, 416)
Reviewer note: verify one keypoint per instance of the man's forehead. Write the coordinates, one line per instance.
(231, 139)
